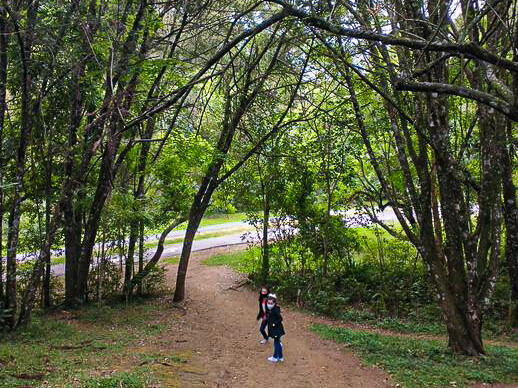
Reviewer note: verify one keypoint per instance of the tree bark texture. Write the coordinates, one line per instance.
(511, 226)
(4, 39)
(137, 196)
(25, 46)
(266, 246)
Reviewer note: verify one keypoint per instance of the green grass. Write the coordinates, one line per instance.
(57, 260)
(133, 379)
(83, 349)
(235, 260)
(216, 219)
(172, 260)
(426, 363)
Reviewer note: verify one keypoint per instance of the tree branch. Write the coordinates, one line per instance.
(496, 103)
(471, 50)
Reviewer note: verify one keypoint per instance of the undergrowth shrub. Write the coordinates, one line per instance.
(389, 282)
(5, 314)
(155, 281)
(104, 281)
(23, 277)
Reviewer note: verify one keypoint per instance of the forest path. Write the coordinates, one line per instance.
(219, 329)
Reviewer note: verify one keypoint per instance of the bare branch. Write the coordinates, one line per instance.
(471, 50)
(476, 95)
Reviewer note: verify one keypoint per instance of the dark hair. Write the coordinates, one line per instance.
(267, 290)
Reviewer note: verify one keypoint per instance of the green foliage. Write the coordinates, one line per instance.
(24, 273)
(393, 283)
(155, 281)
(104, 280)
(426, 363)
(426, 323)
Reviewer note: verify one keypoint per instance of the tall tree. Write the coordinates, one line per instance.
(239, 96)
(4, 40)
(434, 197)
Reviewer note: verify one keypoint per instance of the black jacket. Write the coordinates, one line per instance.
(275, 328)
(261, 312)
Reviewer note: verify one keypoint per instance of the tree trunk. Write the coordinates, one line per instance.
(71, 186)
(138, 195)
(511, 226)
(4, 36)
(137, 279)
(464, 334)
(265, 273)
(101, 194)
(72, 232)
(128, 268)
(48, 198)
(141, 255)
(195, 217)
(23, 143)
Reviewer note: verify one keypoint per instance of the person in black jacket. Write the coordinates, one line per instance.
(275, 328)
(262, 315)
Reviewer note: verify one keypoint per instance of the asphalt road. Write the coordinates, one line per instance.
(228, 239)
(198, 245)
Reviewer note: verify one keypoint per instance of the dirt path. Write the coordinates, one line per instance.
(219, 327)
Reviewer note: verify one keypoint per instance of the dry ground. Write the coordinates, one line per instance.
(215, 332)
(218, 326)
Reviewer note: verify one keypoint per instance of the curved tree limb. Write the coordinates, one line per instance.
(471, 50)
(472, 94)
(137, 279)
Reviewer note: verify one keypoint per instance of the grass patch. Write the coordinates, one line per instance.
(172, 260)
(236, 260)
(92, 347)
(426, 363)
(134, 379)
(57, 260)
(216, 219)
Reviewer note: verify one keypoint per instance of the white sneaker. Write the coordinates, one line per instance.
(263, 341)
(280, 359)
(272, 359)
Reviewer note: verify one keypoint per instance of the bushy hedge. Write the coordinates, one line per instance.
(383, 276)
(5, 314)
(398, 286)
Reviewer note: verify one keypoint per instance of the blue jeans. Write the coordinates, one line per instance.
(262, 328)
(277, 347)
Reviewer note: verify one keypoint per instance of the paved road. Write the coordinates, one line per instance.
(176, 249)
(151, 238)
(205, 229)
(228, 239)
